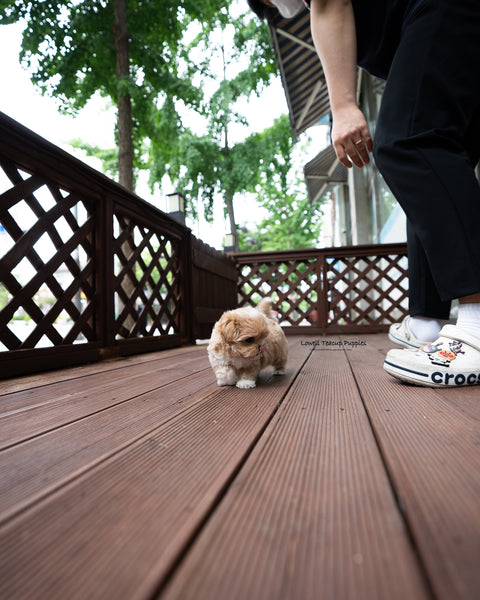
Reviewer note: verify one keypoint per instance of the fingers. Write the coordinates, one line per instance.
(342, 155)
(355, 149)
(361, 149)
(351, 137)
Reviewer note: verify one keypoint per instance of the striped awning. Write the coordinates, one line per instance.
(322, 172)
(300, 69)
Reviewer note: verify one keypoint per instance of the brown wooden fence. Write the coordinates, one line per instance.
(89, 270)
(348, 289)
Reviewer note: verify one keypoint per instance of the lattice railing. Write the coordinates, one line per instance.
(47, 292)
(360, 288)
(55, 277)
(147, 281)
(89, 270)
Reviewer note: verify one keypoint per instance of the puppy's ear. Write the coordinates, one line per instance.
(229, 328)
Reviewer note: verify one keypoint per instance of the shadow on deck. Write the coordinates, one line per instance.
(140, 478)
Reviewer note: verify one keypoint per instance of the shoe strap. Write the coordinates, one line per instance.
(453, 332)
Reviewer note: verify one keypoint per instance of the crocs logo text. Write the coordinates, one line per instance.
(452, 379)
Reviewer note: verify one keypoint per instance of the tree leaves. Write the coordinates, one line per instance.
(191, 64)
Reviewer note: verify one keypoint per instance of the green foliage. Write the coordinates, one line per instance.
(230, 60)
(68, 47)
(191, 65)
(292, 222)
(109, 157)
(4, 297)
(198, 165)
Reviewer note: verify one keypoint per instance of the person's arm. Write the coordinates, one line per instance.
(334, 35)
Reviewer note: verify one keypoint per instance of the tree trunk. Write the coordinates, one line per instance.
(124, 133)
(228, 195)
(231, 218)
(124, 118)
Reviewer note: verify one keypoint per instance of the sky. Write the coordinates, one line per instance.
(20, 100)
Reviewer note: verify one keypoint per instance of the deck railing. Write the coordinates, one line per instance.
(89, 270)
(346, 289)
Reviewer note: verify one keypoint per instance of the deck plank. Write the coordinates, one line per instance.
(65, 453)
(115, 520)
(312, 514)
(24, 414)
(26, 382)
(139, 477)
(431, 442)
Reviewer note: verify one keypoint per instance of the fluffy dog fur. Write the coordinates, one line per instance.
(243, 342)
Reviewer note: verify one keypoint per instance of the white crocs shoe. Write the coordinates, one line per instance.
(453, 360)
(400, 333)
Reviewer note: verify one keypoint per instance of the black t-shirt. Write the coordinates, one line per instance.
(379, 25)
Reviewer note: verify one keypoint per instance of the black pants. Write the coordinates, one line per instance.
(427, 144)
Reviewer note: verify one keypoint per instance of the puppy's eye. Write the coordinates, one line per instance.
(249, 340)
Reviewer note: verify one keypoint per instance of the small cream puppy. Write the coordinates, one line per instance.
(243, 342)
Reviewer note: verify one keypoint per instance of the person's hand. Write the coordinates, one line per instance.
(350, 136)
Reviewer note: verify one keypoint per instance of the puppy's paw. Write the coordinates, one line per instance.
(245, 384)
(225, 381)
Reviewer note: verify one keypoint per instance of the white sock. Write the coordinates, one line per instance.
(425, 328)
(469, 317)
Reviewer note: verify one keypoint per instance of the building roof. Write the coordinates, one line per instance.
(306, 92)
(322, 172)
(300, 69)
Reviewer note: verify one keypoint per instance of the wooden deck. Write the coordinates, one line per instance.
(140, 478)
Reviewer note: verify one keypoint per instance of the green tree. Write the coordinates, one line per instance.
(291, 222)
(231, 61)
(164, 65)
(124, 49)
